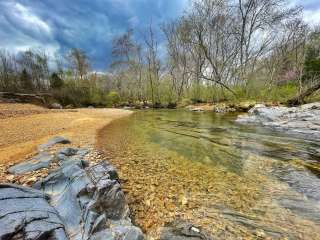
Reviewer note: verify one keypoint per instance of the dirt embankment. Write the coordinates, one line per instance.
(24, 126)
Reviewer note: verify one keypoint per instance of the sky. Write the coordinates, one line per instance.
(58, 25)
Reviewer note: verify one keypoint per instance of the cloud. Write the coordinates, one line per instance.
(312, 17)
(21, 29)
(60, 25)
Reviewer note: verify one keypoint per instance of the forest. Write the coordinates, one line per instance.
(218, 50)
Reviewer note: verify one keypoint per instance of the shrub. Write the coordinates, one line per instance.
(55, 81)
(112, 99)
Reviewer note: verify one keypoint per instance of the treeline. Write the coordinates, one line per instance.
(68, 78)
(219, 50)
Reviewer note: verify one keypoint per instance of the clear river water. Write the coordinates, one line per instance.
(235, 181)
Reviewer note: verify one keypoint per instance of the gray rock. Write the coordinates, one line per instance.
(42, 160)
(53, 141)
(307, 209)
(55, 106)
(68, 151)
(303, 182)
(26, 214)
(76, 153)
(182, 230)
(303, 121)
(87, 199)
(85, 202)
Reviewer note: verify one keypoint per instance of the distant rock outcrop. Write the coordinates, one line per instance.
(303, 121)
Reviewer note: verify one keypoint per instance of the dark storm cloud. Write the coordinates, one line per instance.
(58, 25)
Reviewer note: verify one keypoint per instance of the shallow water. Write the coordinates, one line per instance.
(237, 182)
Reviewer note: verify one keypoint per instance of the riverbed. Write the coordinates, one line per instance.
(235, 181)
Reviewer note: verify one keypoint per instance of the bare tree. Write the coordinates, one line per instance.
(212, 34)
(179, 55)
(78, 62)
(128, 65)
(257, 28)
(153, 64)
(35, 62)
(8, 71)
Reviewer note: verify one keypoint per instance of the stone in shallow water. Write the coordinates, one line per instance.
(26, 214)
(87, 199)
(182, 230)
(42, 160)
(302, 181)
(305, 205)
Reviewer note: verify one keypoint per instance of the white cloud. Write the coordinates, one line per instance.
(22, 30)
(25, 16)
(312, 16)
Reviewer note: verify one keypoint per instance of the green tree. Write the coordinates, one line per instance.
(26, 81)
(312, 60)
(55, 81)
(112, 98)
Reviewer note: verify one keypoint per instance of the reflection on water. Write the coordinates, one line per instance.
(233, 180)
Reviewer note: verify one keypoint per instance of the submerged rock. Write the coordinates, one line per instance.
(303, 121)
(182, 230)
(26, 214)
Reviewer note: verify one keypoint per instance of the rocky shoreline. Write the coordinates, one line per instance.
(75, 201)
(302, 121)
(67, 193)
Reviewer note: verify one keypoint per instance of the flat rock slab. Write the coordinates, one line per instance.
(42, 160)
(52, 142)
(26, 214)
(303, 121)
(66, 154)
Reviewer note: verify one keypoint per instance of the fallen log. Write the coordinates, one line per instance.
(298, 100)
(35, 98)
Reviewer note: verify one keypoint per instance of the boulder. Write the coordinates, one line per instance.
(182, 230)
(26, 214)
(55, 106)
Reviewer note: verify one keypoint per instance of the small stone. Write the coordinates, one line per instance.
(10, 178)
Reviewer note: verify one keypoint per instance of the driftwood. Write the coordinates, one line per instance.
(300, 98)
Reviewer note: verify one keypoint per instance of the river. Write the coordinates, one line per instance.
(235, 181)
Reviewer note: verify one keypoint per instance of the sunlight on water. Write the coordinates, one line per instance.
(235, 181)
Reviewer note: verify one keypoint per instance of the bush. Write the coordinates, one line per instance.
(55, 81)
(112, 99)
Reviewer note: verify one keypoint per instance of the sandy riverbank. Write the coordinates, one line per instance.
(24, 126)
